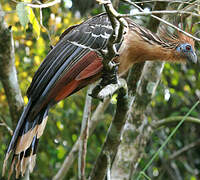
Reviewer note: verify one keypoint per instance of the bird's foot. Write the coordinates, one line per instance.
(109, 76)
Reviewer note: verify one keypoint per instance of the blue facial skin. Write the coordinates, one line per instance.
(187, 51)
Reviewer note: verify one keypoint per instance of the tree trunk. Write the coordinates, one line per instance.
(137, 130)
(8, 75)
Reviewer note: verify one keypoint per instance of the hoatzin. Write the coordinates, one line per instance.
(73, 63)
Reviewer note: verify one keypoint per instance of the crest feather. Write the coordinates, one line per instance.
(175, 38)
(185, 39)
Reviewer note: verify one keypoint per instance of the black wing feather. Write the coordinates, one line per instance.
(74, 42)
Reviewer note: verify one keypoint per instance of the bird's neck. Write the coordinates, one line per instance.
(134, 49)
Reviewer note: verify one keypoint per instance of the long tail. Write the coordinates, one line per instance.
(24, 142)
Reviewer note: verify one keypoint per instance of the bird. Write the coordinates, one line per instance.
(75, 62)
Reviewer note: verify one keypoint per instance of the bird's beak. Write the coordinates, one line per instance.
(192, 57)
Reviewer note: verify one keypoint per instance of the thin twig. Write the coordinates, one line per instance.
(170, 1)
(184, 149)
(108, 168)
(173, 165)
(162, 20)
(3, 123)
(84, 135)
(41, 24)
(44, 5)
(3, 13)
(159, 12)
(41, 5)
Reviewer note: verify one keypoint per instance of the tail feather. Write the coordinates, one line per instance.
(19, 126)
(15, 136)
(11, 167)
(26, 138)
(25, 141)
(17, 167)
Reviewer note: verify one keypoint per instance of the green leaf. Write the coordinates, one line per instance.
(193, 178)
(114, 99)
(74, 137)
(59, 125)
(61, 152)
(22, 14)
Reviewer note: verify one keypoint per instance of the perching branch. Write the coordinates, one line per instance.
(110, 89)
(96, 118)
(109, 149)
(118, 31)
(118, 24)
(109, 75)
(113, 139)
(84, 135)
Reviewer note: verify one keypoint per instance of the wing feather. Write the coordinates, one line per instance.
(74, 44)
(49, 70)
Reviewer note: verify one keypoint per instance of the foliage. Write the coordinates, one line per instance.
(176, 93)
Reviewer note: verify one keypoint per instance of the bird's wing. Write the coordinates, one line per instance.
(71, 55)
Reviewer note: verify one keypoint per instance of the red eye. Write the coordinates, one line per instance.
(188, 47)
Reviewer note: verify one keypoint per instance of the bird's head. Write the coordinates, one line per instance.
(186, 47)
(187, 51)
(181, 43)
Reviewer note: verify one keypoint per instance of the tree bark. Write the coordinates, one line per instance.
(137, 131)
(8, 75)
(113, 139)
(84, 135)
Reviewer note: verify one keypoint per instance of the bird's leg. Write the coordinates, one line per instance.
(110, 68)
(109, 72)
(109, 76)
